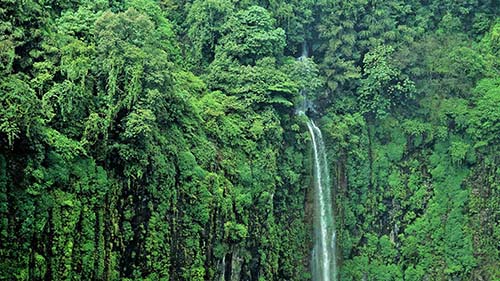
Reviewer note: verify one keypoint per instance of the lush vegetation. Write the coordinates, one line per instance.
(158, 140)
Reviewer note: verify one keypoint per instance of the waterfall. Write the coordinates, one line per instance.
(323, 258)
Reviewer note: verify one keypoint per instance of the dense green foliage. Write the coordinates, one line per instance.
(158, 140)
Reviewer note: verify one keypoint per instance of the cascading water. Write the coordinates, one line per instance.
(323, 258)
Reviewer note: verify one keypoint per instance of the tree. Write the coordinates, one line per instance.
(383, 87)
(250, 35)
(206, 20)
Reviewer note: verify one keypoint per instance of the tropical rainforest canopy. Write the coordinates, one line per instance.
(159, 140)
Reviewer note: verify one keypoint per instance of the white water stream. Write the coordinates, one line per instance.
(323, 259)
